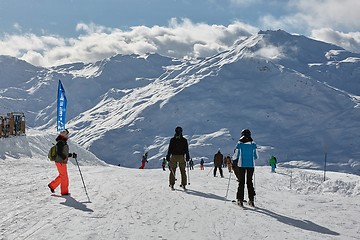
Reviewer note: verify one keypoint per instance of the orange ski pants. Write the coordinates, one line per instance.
(62, 179)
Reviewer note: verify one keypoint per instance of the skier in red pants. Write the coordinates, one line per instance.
(62, 154)
(143, 161)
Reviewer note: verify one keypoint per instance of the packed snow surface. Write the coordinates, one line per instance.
(129, 203)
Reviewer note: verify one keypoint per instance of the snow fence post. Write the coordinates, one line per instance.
(290, 166)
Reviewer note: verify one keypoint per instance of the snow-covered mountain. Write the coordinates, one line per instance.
(298, 96)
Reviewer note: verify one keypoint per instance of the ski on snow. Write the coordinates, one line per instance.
(173, 189)
(244, 206)
(59, 195)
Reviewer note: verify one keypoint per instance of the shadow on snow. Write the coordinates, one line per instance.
(72, 202)
(303, 224)
(205, 195)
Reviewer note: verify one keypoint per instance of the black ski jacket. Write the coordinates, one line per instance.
(62, 150)
(178, 146)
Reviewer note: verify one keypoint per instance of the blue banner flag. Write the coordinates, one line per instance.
(61, 108)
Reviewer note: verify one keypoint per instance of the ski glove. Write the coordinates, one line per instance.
(74, 155)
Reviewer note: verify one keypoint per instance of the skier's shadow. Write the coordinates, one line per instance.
(303, 224)
(286, 174)
(205, 195)
(72, 202)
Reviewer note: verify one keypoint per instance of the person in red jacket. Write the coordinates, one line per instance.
(144, 161)
(62, 155)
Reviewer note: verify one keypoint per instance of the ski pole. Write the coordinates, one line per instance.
(227, 190)
(188, 167)
(254, 182)
(172, 171)
(82, 179)
(210, 171)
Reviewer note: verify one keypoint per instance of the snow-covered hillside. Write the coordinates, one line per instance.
(138, 204)
(36, 144)
(299, 97)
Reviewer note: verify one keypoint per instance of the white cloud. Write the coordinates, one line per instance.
(178, 39)
(350, 41)
(91, 28)
(336, 14)
(270, 22)
(269, 52)
(243, 2)
(318, 14)
(17, 27)
(331, 18)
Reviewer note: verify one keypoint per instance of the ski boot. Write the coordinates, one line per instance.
(51, 190)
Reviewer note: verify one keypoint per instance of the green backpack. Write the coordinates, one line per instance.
(52, 153)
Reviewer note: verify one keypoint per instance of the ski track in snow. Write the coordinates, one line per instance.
(138, 204)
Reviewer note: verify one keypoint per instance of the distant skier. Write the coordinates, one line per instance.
(228, 162)
(178, 147)
(244, 156)
(218, 162)
(144, 160)
(272, 163)
(62, 155)
(202, 164)
(191, 164)
(163, 164)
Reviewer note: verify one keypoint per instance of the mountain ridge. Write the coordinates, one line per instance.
(123, 104)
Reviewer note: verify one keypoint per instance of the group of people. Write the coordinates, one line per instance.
(243, 162)
(177, 156)
(220, 161)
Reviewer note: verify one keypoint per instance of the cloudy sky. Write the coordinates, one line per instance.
(47, 32)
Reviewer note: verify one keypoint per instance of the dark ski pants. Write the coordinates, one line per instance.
(249, 172)
(174, 161)
(220, 170)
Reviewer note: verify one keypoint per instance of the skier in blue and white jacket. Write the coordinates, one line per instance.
(243, 164)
